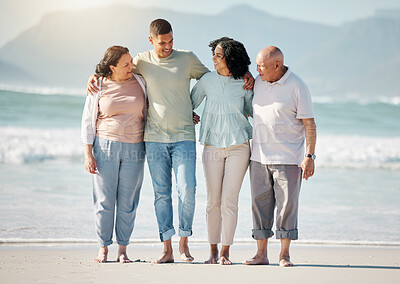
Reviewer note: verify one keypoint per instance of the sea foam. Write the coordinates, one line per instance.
(19, 145)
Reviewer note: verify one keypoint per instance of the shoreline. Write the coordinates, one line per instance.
(313, 264)
(81, 242)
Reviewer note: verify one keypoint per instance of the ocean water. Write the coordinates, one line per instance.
(46, 194)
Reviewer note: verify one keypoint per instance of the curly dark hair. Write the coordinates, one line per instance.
(111, 57)
(237, 59)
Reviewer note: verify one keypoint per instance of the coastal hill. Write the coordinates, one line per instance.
(357, 58)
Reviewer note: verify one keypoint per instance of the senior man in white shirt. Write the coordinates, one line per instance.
(283, 124)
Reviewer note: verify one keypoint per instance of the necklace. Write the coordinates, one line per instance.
(221, 81)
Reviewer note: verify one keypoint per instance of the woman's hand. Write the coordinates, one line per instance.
(91, 87)
(248, 81)
(90, 161)
(196, 118)
(90, 164)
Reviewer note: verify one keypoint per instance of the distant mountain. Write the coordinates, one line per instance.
(361, 57)
(13, 75)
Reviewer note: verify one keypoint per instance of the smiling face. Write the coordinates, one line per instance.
(220, 61)
(123, 70)
(269, 69)
(162, 44)
(270, 65)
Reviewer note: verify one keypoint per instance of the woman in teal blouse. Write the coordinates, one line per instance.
(225, 132)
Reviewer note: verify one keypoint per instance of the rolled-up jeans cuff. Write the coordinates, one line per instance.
(105, 244)
(123, 243)
(165, 236)
(292, 234)
(262, 234)
(184, 234)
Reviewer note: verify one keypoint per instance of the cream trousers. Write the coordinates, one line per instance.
(224, 170)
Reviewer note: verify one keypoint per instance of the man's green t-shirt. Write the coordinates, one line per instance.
(170, 115)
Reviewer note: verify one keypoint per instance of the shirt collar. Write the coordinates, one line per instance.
(282, 80)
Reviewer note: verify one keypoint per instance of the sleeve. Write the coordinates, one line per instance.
(248, 102)
(136, 64)
(197, 94)
(89, 117)
(304, 103)
(197, 69)
(87, 133)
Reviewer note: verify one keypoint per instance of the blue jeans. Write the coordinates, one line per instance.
(162, 158)
(116, 186)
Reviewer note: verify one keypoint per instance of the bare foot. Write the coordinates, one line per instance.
(184, 250)
(284, 256)
(225, 261)
(213, 259)
(123, 258)
(285, 261)
(257, 260)
(102, 256)
(165, 257)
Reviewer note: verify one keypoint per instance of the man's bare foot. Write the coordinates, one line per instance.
(285, 263)
(123, 258)
(213, 255)
(257, 260)
(284, 260)
(165, 257)
(223, 260)
(184, 250)
(284, 256)
(102, 256)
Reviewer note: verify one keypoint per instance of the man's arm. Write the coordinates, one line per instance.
(308, 165)
(92, 84)
(197, 69)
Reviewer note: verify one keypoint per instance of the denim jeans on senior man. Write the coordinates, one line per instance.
(116, 187)
(162, 159)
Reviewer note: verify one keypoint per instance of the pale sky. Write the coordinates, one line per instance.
(18, 15)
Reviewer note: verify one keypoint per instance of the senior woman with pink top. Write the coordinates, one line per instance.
(112, 133)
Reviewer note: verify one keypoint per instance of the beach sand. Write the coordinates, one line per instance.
(313, 264)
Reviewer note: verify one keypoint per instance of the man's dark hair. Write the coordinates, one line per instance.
(236, 57)
(160, 27)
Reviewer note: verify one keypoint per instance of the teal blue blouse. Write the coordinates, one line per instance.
(224, 121)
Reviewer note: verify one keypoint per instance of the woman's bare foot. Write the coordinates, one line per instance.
(184, 250)
(102, 256)
(122, 256)
(213, 255)
(223, 260)
(224, 257)
(257, 260)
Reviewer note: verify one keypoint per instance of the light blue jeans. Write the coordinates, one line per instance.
(116, 187)
(162, 158)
